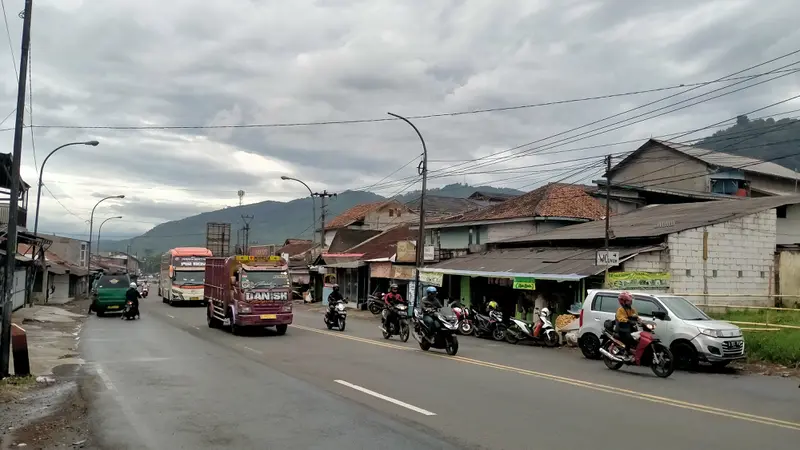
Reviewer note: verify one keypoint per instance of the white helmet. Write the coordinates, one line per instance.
(133, 285)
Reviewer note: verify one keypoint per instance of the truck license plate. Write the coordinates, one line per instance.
(269, 316)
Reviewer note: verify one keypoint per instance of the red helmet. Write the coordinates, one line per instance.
(625, 298)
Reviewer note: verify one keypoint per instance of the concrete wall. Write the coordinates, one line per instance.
(387, 217)
(740, 261)
(652, 166)
(785, 187)
(789, 228)
(68, 249)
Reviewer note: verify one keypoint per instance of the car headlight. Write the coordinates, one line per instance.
(244, 308)
(710, 332)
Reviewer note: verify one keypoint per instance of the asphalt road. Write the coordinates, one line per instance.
(168, 381)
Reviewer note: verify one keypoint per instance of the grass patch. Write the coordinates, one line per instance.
(781, 347)
(18, 381)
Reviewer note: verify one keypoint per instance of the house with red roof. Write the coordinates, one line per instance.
(366, 220)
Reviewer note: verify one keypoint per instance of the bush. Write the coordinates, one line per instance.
(782, 347)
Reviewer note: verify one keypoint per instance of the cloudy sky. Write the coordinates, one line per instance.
(214, 63)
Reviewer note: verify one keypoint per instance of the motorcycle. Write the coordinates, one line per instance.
(520, 331)
(465, 325)
(375, 303)
(444, 337)
(336, 317)
(649, 350)
(398, 326)
(491, 325)
(130, 312)
(145, 291)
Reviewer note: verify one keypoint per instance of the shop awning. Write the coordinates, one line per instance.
(541, 263)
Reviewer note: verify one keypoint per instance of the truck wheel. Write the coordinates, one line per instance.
(281, 329)
(235, 329)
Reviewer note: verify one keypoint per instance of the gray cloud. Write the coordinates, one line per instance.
(239, 61)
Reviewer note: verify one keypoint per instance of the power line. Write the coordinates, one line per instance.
(10, 43)
(387, 119)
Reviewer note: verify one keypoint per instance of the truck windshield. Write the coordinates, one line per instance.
(263, 279)
(189, 278)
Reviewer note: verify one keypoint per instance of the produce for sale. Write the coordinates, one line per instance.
(563, 320)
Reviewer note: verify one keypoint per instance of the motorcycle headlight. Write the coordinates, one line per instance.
(340, 307)
(402, 307)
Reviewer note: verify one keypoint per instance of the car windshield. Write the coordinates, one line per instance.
(189, 278)
(684, 309)
(113, 281)
(266, 279)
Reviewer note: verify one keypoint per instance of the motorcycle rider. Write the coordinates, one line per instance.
(430, 302)
(627, 318)
(391, 299)
(333, 298)
(133, 295)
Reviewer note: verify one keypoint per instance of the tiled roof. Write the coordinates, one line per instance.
(552, 200)
(354, 214)
(384, 245)
(295, 246)
(55, 263)
(441, 206)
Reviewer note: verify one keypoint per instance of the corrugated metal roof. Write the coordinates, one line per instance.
(544, 263)
(661, 220)
(441, 206)
(346, 238)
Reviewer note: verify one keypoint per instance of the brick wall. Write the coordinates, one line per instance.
(740, 261)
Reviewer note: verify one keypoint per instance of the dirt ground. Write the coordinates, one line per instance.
(48, 411)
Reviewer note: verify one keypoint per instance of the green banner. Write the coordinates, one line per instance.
(638, 280)
(528, 284)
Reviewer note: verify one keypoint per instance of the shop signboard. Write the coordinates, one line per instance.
(525, 283)
(406, 252)
(403, 272)
(638, 280)
(380, 270)
(431, 278)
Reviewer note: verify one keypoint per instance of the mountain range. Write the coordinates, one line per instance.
(272, 223)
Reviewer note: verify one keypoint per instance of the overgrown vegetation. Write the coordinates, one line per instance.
(781, 347)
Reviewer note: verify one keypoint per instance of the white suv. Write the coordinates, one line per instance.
(689, 332)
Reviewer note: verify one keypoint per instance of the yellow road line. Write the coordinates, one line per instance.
(581, 383)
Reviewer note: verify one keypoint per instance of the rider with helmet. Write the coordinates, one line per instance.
(430, 302)
(133, 295)
(333, 298)
(627, 318)
(391, 299)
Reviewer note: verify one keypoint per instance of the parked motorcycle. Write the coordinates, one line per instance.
(375, 303)
(443, 338)
(398, 326)
(465, 325)
(130, 312)
(336, 316)
(491, 325)
(649, 350)
(545, 334)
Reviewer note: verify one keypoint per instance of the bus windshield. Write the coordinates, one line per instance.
(265, 279)
(189, 277)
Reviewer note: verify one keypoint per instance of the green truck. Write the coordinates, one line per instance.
(108, 293)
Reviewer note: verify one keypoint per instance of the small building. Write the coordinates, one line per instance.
(661, 172)
(546, 208)
(66, 277)
(716, 252)
(376, 216)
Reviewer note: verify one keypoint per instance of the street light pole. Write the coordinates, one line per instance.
(100, 229)
(313, 209)
(39, 199)
(91, 225)
(423, 170)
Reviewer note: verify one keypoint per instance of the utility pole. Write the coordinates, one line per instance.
(246, 233)
(608, 215)
(13, 201)
(323, 196)
(423, 171)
